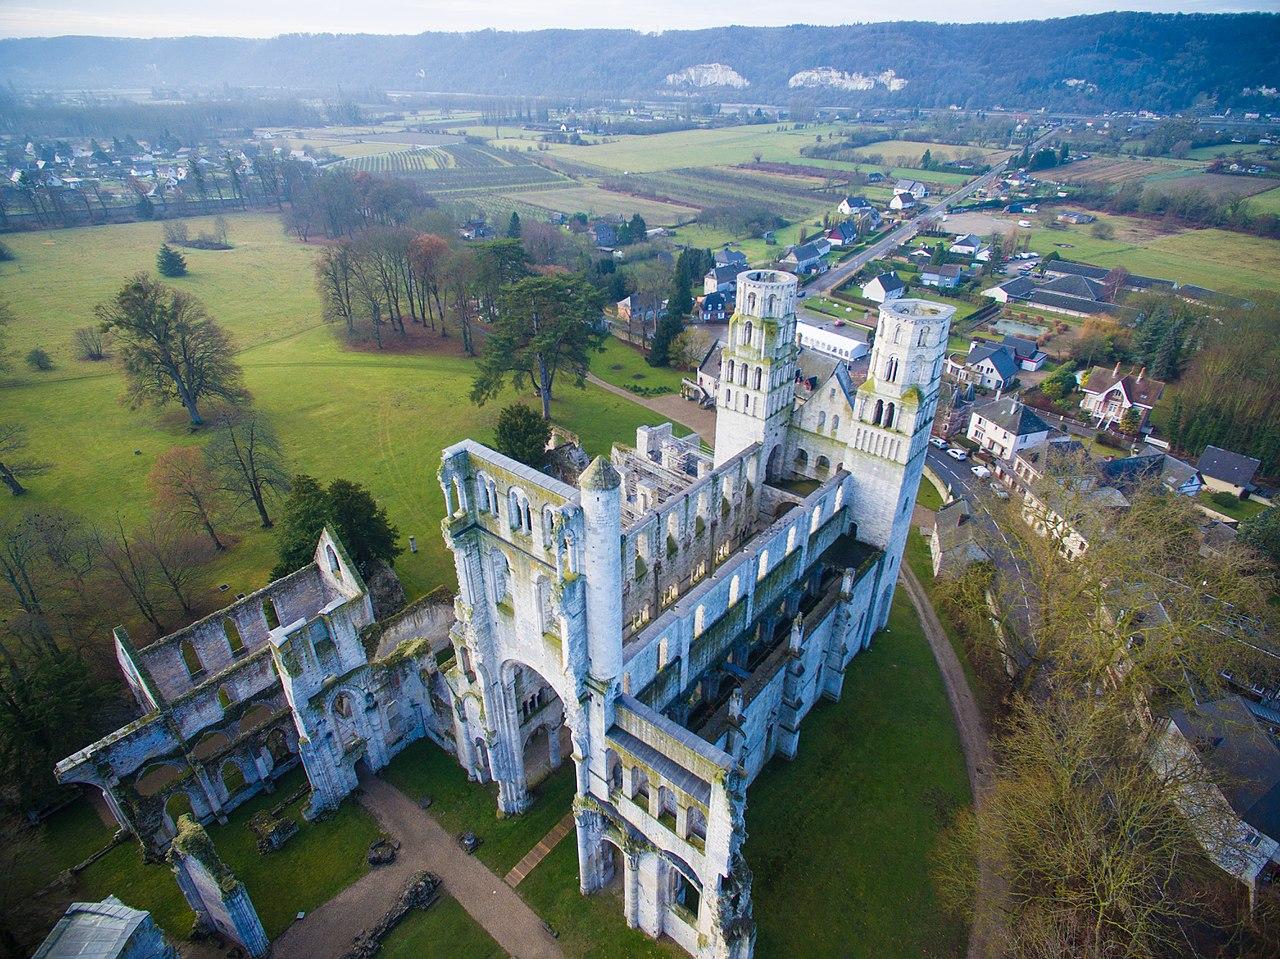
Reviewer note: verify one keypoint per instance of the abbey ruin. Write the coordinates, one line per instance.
(666, 624)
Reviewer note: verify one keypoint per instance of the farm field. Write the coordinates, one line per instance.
(908, 152)
(1229, 149)
(595, 201)
(1115, 170)
(411, 160)
(1217, 185)
(1268, 202)
(377, 418)
(347, 148)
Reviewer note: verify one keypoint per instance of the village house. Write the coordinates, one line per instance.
(842, 234)
(715, 307)
(852, 204)
(902, 201)
(967, 245)
(727, 257)
(1108, 395)
(1029, 356)
(1004, 427)
(603, 235)
(946, 276)
(1227, 472)
(721, 279)
(951, 544)
(886, 286)
(917, 189)
(805, 258)
(989, 365)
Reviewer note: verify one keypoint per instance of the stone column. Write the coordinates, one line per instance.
(219, 900)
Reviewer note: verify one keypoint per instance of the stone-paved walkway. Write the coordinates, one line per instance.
(539, 852)
(985, 934)
(424, 844)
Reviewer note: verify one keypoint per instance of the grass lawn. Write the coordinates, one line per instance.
(929, 497)
(459, 804)
(319, 862)
(625, 366)
(1238, 509)
(444, 931)
(840, 839)
(378, 418)
(149, 886)
(1268, 202)
(590, 927)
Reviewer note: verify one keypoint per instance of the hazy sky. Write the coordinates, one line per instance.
(265, 18)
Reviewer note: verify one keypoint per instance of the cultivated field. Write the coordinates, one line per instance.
(593, 200)
(1113, 170)
(1217, 185)
(909, 152)
(1268, 202)
(413, 160)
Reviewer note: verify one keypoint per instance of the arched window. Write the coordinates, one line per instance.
(879, 413)
(835, 424)
(334, 566)
(500, 570)
(763, 566)
(823, 465)
(897, 333)
(731, 371)
(570, 553)
(224, 698)
(758, 374)
(191, 659)
(815, 520)
(888, 416)
(891, 370)
(751, 308)
(924, 336)
(232, 778)
(548, 526)
(233, 636)
(742, 375)
(822, 420)
(769, 305)
(801, 459)
(269, 613)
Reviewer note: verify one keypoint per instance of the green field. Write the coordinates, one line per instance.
(840, 839)
(595, 201)
(1268, 202)
(625, 366)
(379, 418)
(443, 931)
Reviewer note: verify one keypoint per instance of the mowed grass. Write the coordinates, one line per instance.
(443, 931)
(624, 365)
(595, 201)
(840, 839)
(378, 418)
(911, 151)
(1268, 202)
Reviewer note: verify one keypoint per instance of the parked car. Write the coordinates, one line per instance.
(938, 441)
(999, 491)
(957, 454)
(980, 471)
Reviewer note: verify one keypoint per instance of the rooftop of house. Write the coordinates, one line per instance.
(725, 273)
(730, 258)
(888, 282)
(1138, 387)
(1234, 468)
(1238, 752)
(969, 239)
(1000, 357)
(1084, 287)
(953, 524)
(941, 269)
(805, 251)
(856, 201)
(1010, 415)
(1021, 347)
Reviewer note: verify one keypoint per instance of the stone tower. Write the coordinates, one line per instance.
(893, 417)
(758, 369)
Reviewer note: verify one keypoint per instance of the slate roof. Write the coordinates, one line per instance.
(92, 930)
(730, 257)
(888, 282)
(1229, 467)
(1019, 288)
(1000, 356)
(1145, 391)
(1021, 347)
(727, 273)
(954, 524)
(1071, 267)
(857, 202)
(1081, 286)
(804, 252)
(941, 269)
(1008, 414)
(1237, 751)
(846, 230)
(710, 364)
(969, 239)
(1062, 301)
(715, 302)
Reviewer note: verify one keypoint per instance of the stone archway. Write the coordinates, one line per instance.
(536, 730)
(773, 466)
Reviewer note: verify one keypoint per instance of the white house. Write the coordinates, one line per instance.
(853, 204)
(1010, 291)
(967, 245)
(886, 286)
(902, 201)
(991, 365)
(1004, 427)
(1108, 395)
(917, 189)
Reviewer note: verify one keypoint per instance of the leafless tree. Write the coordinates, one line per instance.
(246, 458)
(130, 566)
(15, 465)
(91, 343)
(186, 490)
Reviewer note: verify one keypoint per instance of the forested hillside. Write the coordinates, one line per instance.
(1110, 61)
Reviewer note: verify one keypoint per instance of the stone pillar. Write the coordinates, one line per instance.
(631, 888)
(219, 900)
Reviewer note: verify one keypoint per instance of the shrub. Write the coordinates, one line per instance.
(1224, 499)
(39, 360)
(6, 254)
(523, 434)
(91, 343)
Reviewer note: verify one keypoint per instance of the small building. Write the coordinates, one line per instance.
(603, 234)
(917, 189)
(843, 234)
(1011, 291)
(1227, 472)
(835, 338)
(1075, 217)
(715, 308)
(902, 201)
(1004, 427)
(105, 930)
(708, 375)
(875, 177)
(946, 276)
(728, 257)
(1029, 356)
(886, 286)
(852, 204)
(721, 279)
(951, 545)
(989, 365)
(967, 245)
(805, 258)
(1108, 395)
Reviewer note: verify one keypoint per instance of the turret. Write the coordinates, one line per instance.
(601, 499)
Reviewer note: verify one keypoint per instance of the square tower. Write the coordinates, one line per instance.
(758, 369)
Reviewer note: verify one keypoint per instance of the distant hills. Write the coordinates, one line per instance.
(1110, 61)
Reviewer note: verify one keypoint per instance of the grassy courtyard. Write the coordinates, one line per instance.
(444, 931)
(625, 366)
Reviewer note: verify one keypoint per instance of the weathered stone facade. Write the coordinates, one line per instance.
(666, 624)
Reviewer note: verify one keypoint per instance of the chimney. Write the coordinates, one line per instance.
(1140, 374)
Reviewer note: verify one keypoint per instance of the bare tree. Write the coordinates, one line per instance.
(15, 465)
(130, 566)
(175, 556)
(246, 458)
(171, 348)
(91, 343)
(334, 279)
(184, 488)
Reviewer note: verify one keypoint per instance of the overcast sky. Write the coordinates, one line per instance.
(265, 18)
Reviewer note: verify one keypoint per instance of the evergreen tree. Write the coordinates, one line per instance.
(1064, 154)
(348, 509)
(523, 435)
(669, 327)
(926, 161)
(170, 262)
(1262, 532)
(637, 228)
(1167, 363)
(513, 226)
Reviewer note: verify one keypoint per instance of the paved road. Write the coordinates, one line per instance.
(424, 844)
(959, 477)
(834, 277)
